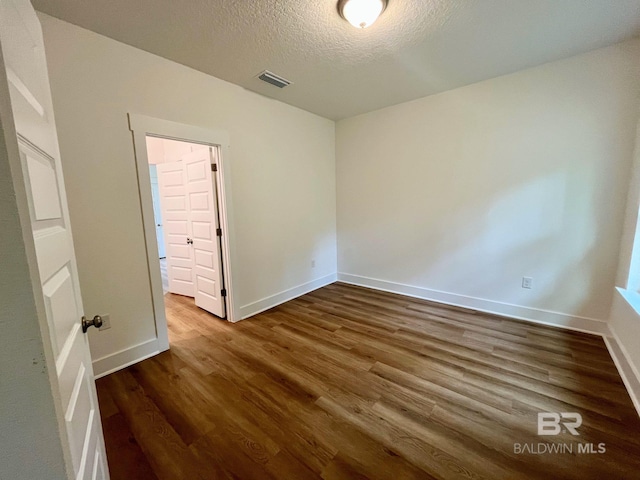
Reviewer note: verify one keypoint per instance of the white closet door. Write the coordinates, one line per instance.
(177, 233)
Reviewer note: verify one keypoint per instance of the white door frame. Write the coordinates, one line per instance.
(141, 126)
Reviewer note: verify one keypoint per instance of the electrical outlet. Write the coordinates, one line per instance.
(527, 282)
(106, 322)
(313, 264)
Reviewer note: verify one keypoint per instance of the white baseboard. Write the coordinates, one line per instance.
(275, 300)
(628, 371)
(535, 315)
(122, 359)
(626, 368)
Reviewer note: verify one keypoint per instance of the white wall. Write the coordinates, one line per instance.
(459, 195)
(624, 320)
(629, 264)
(161, 150)
(283, 180)
(155, 150)
(624, 342)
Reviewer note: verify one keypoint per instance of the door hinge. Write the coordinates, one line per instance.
(214, 167)
(223, 292)
(219, 232)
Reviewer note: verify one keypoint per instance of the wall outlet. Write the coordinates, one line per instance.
(313, 264)
(527, 282)
(106, 322)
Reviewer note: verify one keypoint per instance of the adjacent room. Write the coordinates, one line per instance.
(337, 239)
(186, 216)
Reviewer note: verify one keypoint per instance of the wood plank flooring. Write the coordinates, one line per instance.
(350, 383)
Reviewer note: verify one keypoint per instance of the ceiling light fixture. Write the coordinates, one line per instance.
(361, 13)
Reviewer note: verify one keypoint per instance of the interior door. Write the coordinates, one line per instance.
(26, 71)
(177, 232)
(203, 214)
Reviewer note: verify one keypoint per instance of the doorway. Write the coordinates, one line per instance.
(187, 218)
(184, 172)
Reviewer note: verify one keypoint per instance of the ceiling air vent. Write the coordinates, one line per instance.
(273, 79)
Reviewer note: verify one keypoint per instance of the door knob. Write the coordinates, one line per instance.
(189, 241)
(95, 321)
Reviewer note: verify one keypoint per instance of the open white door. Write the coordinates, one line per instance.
(203, 214)
(26, 71)
(177, 234)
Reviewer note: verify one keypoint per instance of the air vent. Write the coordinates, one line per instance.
(273, 79)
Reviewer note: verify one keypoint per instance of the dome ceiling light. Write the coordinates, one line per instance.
(361, 13)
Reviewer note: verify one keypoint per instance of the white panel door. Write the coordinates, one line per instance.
(26, 71)
(177, 233)
(203, 214)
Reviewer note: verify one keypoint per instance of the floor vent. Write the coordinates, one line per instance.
(273, 79)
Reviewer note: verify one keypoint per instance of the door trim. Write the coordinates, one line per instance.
(141, 126)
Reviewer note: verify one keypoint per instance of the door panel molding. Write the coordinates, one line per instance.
(174, 205)
(39, 186)
(204, 217)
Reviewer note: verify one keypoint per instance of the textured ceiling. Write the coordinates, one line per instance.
(417, 47)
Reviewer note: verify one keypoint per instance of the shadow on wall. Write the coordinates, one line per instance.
(314, 261)
(468, 191)
(534, 230)
(545, 228)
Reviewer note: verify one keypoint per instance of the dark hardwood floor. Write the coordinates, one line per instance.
(350, 383)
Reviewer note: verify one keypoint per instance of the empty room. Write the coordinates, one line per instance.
(330, 239)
